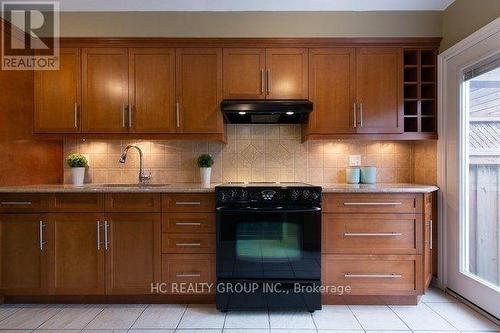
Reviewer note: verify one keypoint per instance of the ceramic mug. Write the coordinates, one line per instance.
(352, 175)
(368, 174)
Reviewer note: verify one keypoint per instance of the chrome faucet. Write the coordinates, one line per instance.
(143, 178)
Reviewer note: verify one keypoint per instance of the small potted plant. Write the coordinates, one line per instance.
(77, 163)
(205, 162)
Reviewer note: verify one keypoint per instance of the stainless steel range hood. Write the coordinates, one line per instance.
(266, 111)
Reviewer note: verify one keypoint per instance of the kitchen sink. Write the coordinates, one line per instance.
(133, 185)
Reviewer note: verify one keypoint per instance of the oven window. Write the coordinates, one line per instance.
(268, 242)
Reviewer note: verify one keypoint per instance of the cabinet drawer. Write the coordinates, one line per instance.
(374, 275)
(77, 202)
(188, 223)
(190, 269)
(133, 202)
(372, 203)
(188, 203)
(372, 233)
(188, 243)
(23, 202)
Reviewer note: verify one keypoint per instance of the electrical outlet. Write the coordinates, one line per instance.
(354, 160)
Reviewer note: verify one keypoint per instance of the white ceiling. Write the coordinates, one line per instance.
(252, 5)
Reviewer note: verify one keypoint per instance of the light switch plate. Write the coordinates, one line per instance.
(354, 160)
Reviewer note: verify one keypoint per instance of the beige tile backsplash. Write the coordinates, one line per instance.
(254, 153)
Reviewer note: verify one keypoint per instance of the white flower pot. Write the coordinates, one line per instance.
(205, 177)
(78, 175)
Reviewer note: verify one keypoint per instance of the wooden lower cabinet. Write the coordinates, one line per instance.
(374, 274)
(196, 271)
(24, 254)
(132, 252)
(78, 254)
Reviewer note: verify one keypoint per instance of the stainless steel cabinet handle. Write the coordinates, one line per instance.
(370, 234)
(188, 244)
(188, 223)
(262, 81)
(105, 235)
(177, 114)
(98, 235)
(354, 118)
(76, 115)
(268, 83)
(16, 203)
(430, 235)
(41, 226)
(130, 116)
(372, 203)
(379, 276)
(360, 114)
(188, 275)
(188, 203)
(123, 114)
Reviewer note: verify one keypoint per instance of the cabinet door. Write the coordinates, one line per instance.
(287, 73)
(199, 90)
(152, 90)
(105, 90)
(58, 95)
(24, 252)
(332, 87)
(78, 259)
(132, 252)
(379, 85)
(244, 73)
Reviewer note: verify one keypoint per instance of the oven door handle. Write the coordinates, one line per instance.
(269, 210)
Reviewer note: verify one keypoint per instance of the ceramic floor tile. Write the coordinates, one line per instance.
(435, 295)
(422, 318)
(198, 331)
(282, 330)
(104, 331)
(247, 319)
(160, 316)
(374, 317)
(150, 331)
(291, 320)
(30, 317)
(202, 316)
(463, 317)
(56, 331)
(15, 331)
(116, 318)
(7, 311)
(72, 317)
(336, 317)
(246, 330)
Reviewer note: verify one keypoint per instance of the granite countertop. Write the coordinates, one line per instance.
(196, 188)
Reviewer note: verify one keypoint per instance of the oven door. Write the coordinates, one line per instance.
(269, 243)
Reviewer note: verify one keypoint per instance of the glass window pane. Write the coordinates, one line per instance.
(482, 100)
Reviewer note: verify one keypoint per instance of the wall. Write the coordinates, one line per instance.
(252, 153)
(252, 24)
(464, 17)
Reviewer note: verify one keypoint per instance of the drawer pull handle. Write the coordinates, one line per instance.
(16, 203)
(188, 203)
(370, 234)
(188, 244)
(379, 276)
(188, 275)
(372, 203)
(187, 223)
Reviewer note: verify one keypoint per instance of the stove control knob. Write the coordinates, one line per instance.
(305, 194)
(244, 194)
(315, 195)
(295, 195)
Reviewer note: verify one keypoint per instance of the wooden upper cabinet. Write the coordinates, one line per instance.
(287, 73)
(133, 252)
(152, 90)
(58, 95)
(244, 73)
(78, 257)
(23, 254)
(199, 90)
(379, 81)
(332, 89)
(105, 90)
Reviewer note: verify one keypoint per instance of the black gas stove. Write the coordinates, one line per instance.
(268, 246)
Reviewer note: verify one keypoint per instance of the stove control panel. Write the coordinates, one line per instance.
(286, 195)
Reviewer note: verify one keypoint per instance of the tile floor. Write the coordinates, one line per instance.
(436, 313)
